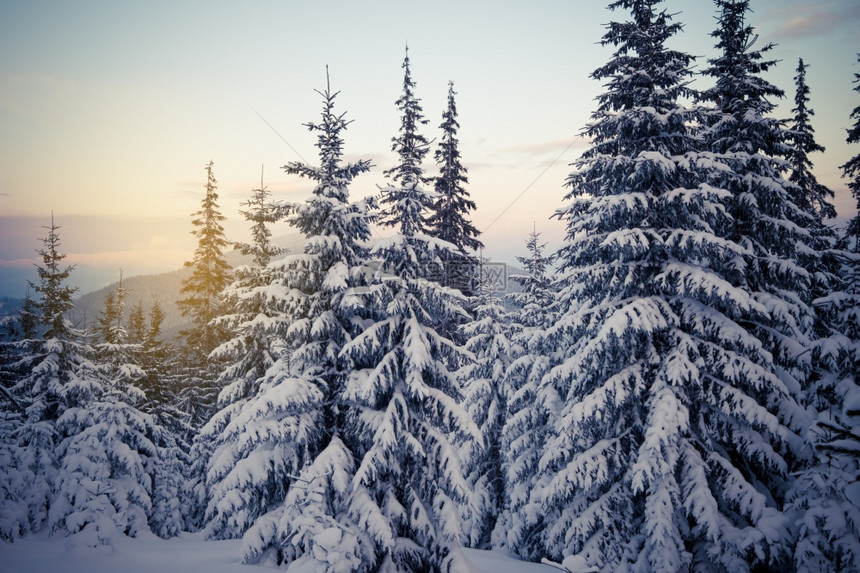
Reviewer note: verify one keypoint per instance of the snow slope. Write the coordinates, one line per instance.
(188, 553)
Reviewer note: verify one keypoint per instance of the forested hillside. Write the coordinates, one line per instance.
(674, 389)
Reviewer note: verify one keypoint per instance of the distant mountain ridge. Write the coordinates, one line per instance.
(161, 287)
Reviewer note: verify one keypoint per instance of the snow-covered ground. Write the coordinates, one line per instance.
(189, 553)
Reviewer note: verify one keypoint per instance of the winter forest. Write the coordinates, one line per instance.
(674, 389)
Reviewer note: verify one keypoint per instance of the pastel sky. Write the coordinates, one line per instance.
(109, 110)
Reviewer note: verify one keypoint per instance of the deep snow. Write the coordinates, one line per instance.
(188, 553)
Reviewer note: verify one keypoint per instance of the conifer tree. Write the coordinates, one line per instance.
(524, 432)
(828, 523)
(404, 417)
(137, 324)
(295, 421)
(851, 172)
(203, 303)
(55, 298)
(210, 274)
(406, 193)
(255, 324)
(81, 440)
(43, 367)
(28, 318)
(814, 196)
(667, 421)
(448, 219)
(485, 397)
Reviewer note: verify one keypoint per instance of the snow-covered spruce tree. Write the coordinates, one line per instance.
(108, 456)
(828, 518)
(485, 397)
(233, 498)
(41, 369)
(668, 420)
(814, 197)
(448, 219)
(851, 172)
(524, 431)
(405, 423)
(827, 515)
(80, 434)
(778, 222)
(291, 443)
(171, 501)
(203, 303)
(130, 362)
(28, 318)
(406, 194)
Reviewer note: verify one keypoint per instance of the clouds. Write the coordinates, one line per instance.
(813, 19)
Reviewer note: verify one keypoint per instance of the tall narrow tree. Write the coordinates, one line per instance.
(406, 193)
(448, 219)
(404, 416)
(296, 420)
(257, 327)
(210, 274)
(814, 196)
(828, 523)
(203, 303)
(37, 396)
(524, 432)
(851, 171)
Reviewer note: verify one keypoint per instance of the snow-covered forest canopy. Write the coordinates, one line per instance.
(674, 389)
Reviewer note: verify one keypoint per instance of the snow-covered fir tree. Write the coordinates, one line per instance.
(449, 214)
(42, 369)
(814, 197)
(233, 499)
(405, 422)
(524, 431)
(851, 172)
(485, 397)
(668, 420)
(172, 509)
(81, 434)
(291, 445)
(828, 518)
(28, 319)
(406, 193)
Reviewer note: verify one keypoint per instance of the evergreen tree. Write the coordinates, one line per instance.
(55, 297)
(448, 218)
(814, 196)
(28, 318)
(485, 397)
(668, 423)
(81, 444)
(293, 426)
(110, 327)
(534, 300)
(172, 508)
(851, 172)
(203, 303)
(406, 193)
(828, 523)
(524, 432)
(255, 323)
(210, 274)
(137, 324)
(404, 418)
(36, 398)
